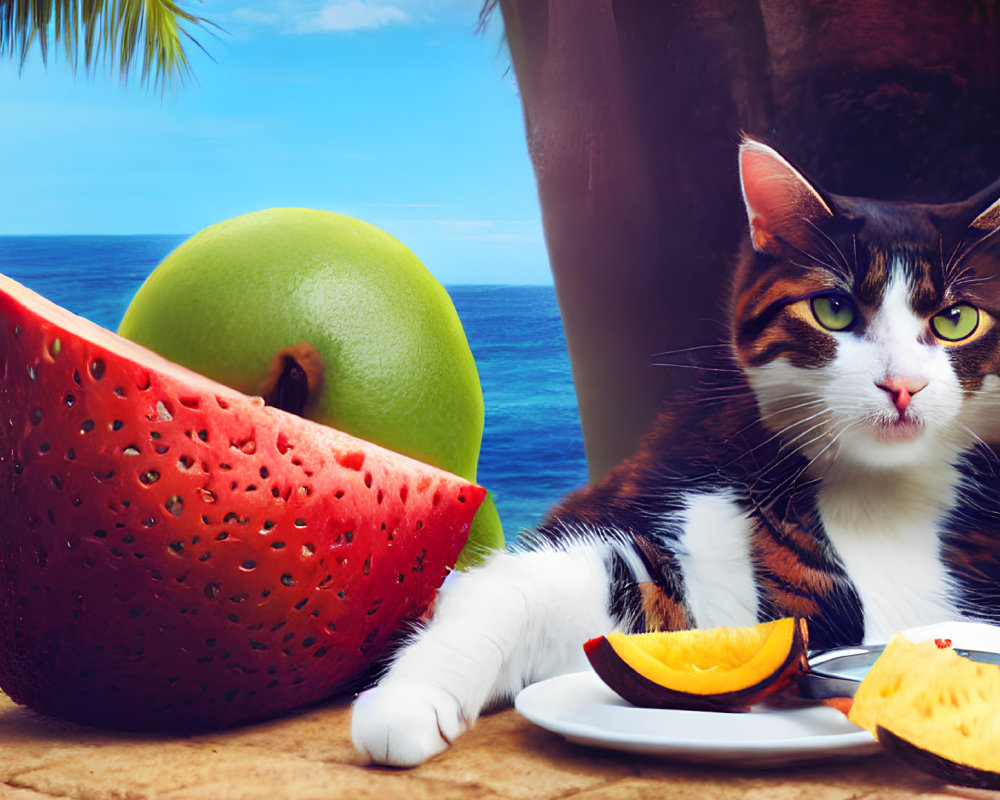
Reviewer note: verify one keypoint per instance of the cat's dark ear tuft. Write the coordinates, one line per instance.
(782, 206)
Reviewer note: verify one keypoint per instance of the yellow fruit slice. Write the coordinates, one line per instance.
(720, 669)
(934, 709)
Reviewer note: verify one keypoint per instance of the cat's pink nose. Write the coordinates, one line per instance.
(901, 389)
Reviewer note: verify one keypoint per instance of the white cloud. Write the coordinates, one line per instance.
(352, 15)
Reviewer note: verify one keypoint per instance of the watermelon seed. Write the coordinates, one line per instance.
(18, 467)
(250, 488)
(148, 477)
(175, 546)
(277, 545)
(71, 454)
(257, 645)
(148, 522)
(309, 641)
(128, 538)
(97, 369)
(203, 435)
(287, 580)
(76, 377)
(17, 331)
(232, 517)
(367, 567)
(248, 565)
(368, 480)
(117, 425)
(211, 590)
(231, 618)
(163, 412)
(419, 524)
(301, 604)
(44, 447)
(308, 550)
(131, 450)
(77, 501)
(300, 523)
(206, 495)
(379, 496)
(119, 391)
(400, 577)
(36, 416)
(339, 493)
(69, 399)
(224, 466)
(263, 472)
(204, 557)
(101, 534)
(87, 426)
(222, 536)
(323, 583)
(55, 347)
(268, 524)
(31, 372)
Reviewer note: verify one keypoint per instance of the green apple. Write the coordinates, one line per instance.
(329, 317)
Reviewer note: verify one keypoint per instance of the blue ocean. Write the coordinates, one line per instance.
(532, 451)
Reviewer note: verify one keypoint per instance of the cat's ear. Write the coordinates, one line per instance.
(988, 200)
(782, 206)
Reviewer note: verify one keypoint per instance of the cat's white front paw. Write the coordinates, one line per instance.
(402, 724)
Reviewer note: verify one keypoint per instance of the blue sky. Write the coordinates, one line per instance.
(394, 111)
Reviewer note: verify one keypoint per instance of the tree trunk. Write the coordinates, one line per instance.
(633, 112)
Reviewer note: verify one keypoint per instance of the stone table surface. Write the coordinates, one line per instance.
(309, 755)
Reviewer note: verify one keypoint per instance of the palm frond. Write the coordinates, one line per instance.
(147, 36)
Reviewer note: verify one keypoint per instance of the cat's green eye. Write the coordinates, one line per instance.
(956, 323)
(834, 312)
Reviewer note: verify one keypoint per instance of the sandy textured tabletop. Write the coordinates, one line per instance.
(309, 755)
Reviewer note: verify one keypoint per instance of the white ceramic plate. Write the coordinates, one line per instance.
(582, 708)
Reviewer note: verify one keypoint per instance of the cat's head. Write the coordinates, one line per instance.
(869, 331)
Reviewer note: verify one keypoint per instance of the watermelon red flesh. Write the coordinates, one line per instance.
(176, 555)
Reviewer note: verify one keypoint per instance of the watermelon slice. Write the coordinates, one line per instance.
(174, 555)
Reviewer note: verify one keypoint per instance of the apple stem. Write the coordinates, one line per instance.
(294, 378)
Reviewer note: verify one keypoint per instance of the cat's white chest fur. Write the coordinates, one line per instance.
(885, 526)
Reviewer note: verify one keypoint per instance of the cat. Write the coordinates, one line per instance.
(834, 464)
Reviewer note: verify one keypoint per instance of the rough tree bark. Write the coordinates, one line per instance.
(633, 111)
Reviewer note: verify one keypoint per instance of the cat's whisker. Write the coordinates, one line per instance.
(699, 367)
(793, 480)
(779, 433)
(829, 243)
(776, 434)
(696, 348)
(797, 451)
